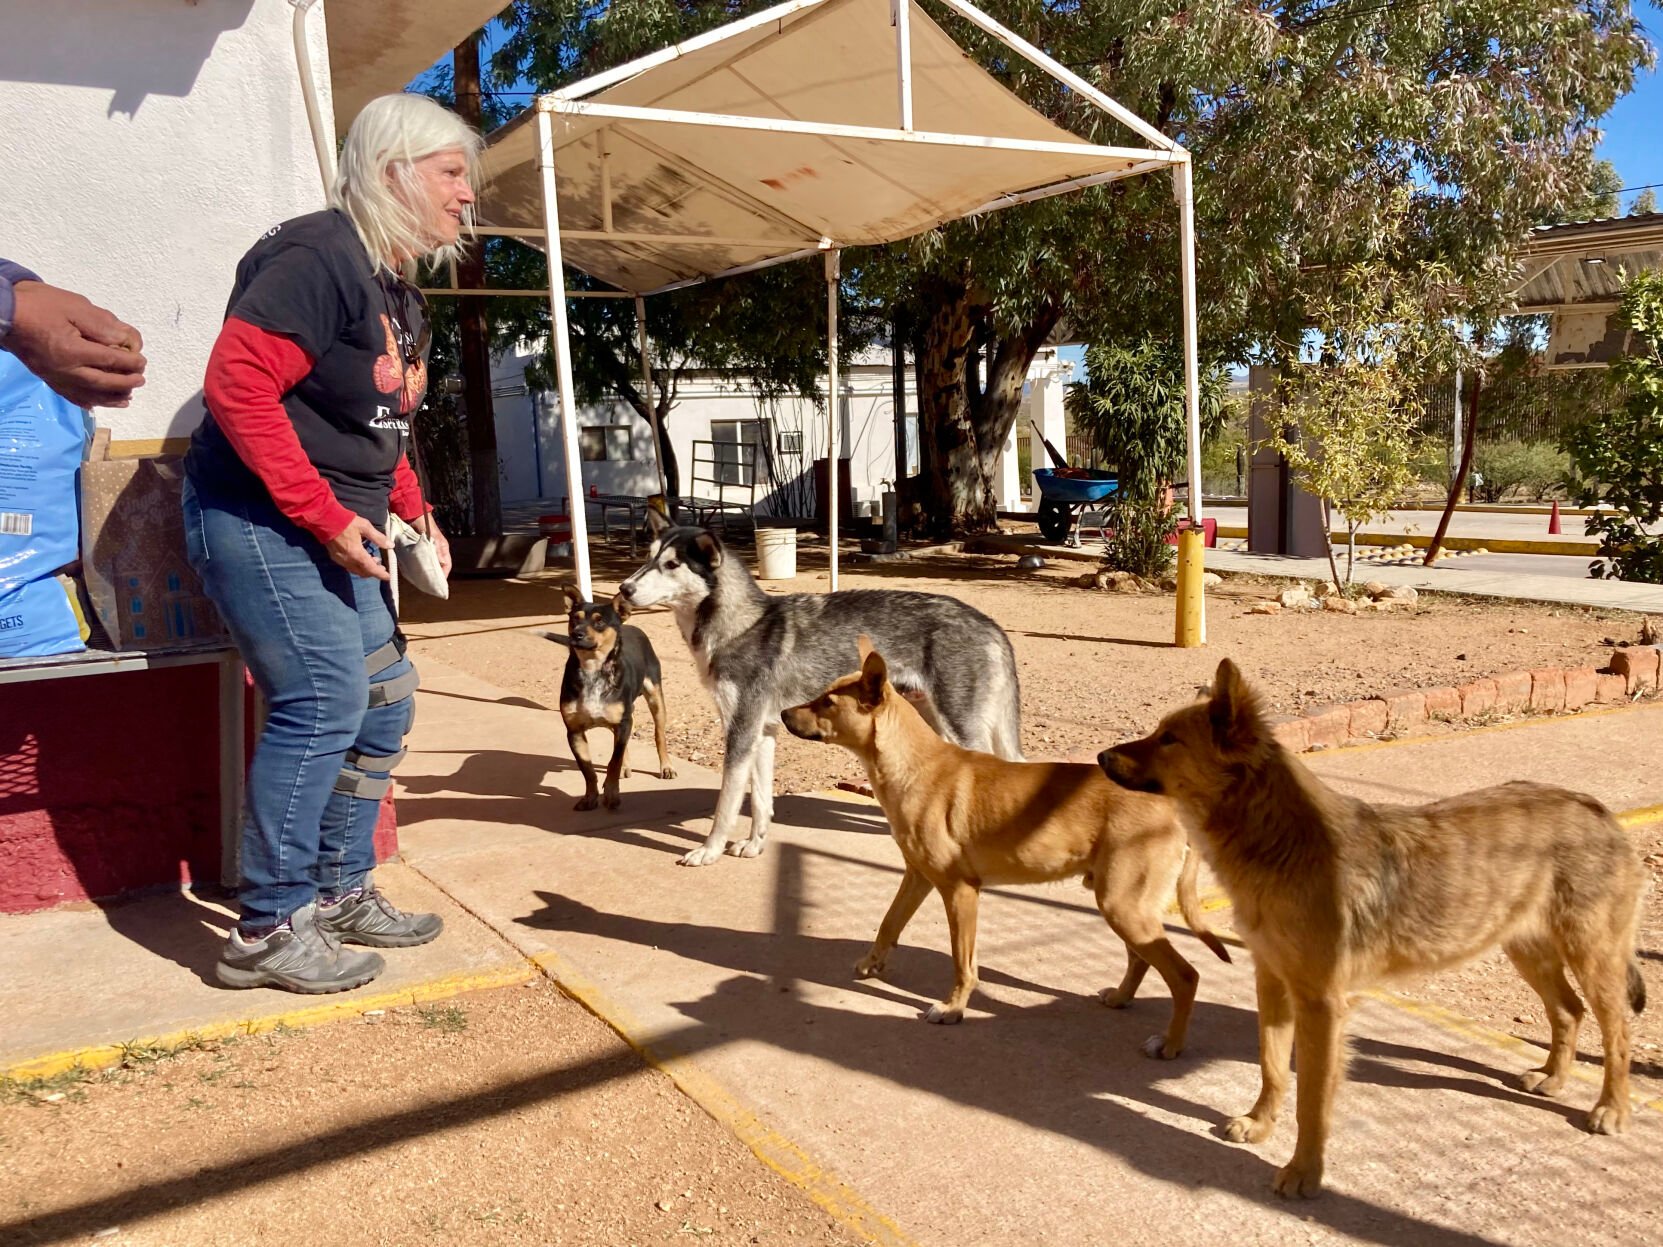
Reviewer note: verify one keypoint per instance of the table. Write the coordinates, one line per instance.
(232, 680)
(636, 507)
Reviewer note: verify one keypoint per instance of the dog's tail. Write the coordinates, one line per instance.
(1190, 906)
(1636, 988)
(559, 638)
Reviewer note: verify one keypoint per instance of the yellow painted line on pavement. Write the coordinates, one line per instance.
(773, 1149)
(1490, 545)
(101, 1056)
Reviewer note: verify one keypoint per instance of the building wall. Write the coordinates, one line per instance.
(531, 457)
(146, 145)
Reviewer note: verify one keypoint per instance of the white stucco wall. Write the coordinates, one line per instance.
(146, 145)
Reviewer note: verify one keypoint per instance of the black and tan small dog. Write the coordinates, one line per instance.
(611, 665)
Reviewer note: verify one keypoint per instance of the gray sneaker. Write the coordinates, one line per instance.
(300, 957)
(370, 918)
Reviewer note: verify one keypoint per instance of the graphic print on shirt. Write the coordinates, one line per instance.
(393, 376)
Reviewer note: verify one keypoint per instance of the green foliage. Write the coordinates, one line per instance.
(1353, 420)
(1644, 202)
(1618, 460)
(1600, 197)
(1533, 468)
(1132, 407)
(1137, 533)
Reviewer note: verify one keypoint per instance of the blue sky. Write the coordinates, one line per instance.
(1632, 140)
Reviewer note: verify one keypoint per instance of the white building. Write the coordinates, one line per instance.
(711, 421)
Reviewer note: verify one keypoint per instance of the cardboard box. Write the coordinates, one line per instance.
(133, 557)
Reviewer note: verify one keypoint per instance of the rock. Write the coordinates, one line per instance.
(1327, 589)
(1265, 608)
(1339, 605)
(1648, 631)
(1405, 594)
(1087, 581)
(1376, 589)
(1211, 580)
(1295, 598)
(1169, 583)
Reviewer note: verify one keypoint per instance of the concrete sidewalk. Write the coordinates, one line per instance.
(1036, 1121)
(1037, 1117)
(1603, 594)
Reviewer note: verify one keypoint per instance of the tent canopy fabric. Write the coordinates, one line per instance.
(376, 46)
(645, 202)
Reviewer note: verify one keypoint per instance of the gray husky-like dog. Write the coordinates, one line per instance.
(760, 653)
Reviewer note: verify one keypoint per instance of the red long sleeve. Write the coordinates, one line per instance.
(249, 371)
(406, 499)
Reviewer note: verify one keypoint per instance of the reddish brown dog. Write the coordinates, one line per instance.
(1334, 894)
(965, 819)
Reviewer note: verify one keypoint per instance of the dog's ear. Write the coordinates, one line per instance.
(658, 523)
(709, 548)
(1233, 711)
(620, 604)
(863, 646)
(574, 598)
(873, 674)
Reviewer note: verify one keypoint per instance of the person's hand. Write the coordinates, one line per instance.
(80, 350)
(429, 524)
(347, 548)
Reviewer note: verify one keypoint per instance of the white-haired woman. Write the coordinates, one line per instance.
(289, 480)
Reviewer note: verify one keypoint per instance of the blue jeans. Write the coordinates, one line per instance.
(305, 627)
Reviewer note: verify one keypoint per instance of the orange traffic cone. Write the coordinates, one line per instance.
(1553, 520)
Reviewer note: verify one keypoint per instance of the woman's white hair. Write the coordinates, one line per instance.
(385, 141)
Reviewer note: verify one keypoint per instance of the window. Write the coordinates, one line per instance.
(600, 443)
(741, 449)
(791, 441)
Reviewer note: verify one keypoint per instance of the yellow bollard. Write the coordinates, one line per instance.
(1192, 606)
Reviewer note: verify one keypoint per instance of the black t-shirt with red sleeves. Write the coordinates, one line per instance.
(310, 280)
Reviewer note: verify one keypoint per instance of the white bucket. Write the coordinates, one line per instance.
(776, 553)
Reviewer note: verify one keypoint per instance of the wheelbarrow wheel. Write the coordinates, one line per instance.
(1055, 519)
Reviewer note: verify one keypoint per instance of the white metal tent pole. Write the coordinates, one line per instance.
(1192, 615)
(834, 272)
(561, 332)
(899, 11)
(647, 392)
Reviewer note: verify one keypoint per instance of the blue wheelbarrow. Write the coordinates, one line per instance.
(1066, 492)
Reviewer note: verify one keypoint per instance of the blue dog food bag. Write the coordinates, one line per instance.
(42, 440)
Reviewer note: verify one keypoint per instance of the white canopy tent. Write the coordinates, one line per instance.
(815, 125)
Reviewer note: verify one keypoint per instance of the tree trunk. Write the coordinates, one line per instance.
(1328, 532)
(476, 355)
(970, 390)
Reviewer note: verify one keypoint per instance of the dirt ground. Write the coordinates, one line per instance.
(1099, 667)
(1095, 667)
(510, 1116)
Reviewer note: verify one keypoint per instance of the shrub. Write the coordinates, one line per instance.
(1618, 458)
(1533, 468)
(1138, 530)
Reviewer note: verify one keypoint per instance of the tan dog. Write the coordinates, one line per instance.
(965, 819)
(1333, 894)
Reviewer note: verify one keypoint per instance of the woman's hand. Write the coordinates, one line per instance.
(347, 548)
(429, 524)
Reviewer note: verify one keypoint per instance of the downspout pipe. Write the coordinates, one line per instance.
(321, 142)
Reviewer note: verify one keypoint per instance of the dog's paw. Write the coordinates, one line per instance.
(611, 800)
(624, 772)
(941, 1015)
(701, 856)
(747, 848)
(1114, 998)
(1608, 1118)
(1248, 1129)
(1157, 1047)
(1298, 1181)
(667, 772)
(870, 966)
(587, 801)
(1540, 1082)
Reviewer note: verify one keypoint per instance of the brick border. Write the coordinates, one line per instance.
(1634, 671)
